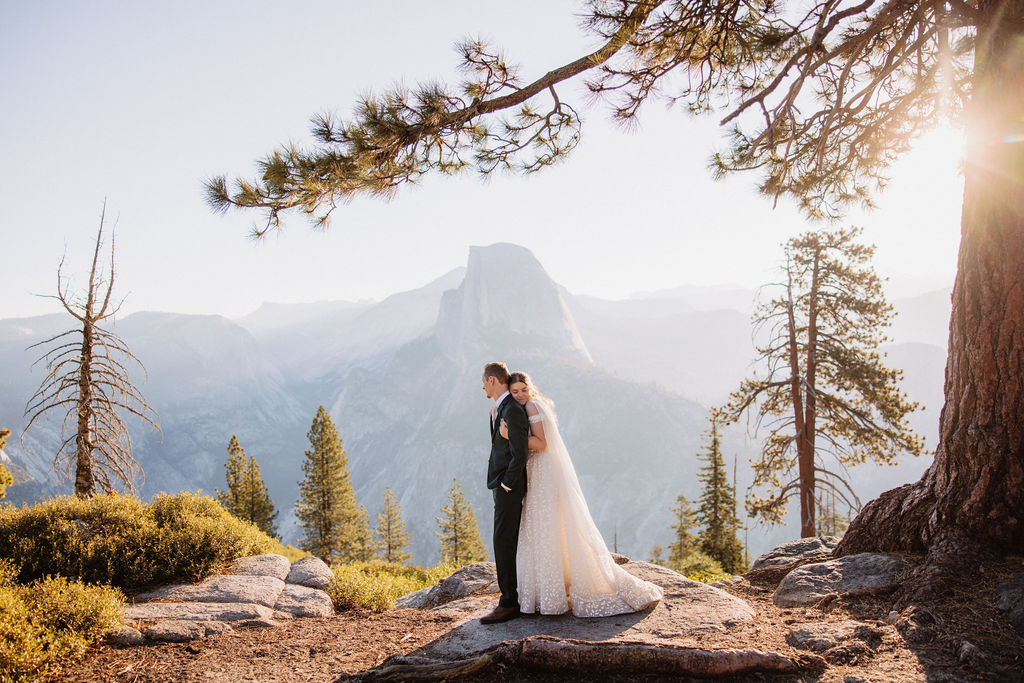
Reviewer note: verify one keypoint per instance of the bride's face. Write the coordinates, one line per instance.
(520, 392)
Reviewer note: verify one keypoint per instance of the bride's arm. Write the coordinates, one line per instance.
(537, 443)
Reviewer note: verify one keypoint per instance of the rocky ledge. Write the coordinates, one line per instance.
(256, 591)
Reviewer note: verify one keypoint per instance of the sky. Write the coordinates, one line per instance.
(137, 103)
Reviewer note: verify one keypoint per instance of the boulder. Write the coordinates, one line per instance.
(261, 590)
(177, 631)
(473, 578)
(793, 551)
(414, 600)
(688, 606)
(196, 611)
(620, 559)
(311, 572)
(124, 636)
(1011, 600)
(850, 575)
(301, 601)
(270, 564)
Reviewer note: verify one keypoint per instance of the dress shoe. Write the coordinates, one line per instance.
(500, 614)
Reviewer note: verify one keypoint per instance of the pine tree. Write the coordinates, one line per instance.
(826, 392)
(87, 381)
(461, 543)
(5, 477)
(656, 555)
(392, 538)
(717, 512)
(336, 526)
(247, 496)
(684, 543)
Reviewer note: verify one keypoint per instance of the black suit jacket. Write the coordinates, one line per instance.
(507, 464)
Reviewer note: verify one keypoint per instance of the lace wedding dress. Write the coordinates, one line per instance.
(562, 556)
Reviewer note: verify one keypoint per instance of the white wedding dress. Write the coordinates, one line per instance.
(562, 556)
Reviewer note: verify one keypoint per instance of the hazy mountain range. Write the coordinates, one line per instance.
(631, 380)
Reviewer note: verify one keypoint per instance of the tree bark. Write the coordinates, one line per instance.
(807, 484)
(972, 496)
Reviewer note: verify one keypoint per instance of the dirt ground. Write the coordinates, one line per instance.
(918, 643)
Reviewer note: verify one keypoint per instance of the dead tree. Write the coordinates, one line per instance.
(87, 379)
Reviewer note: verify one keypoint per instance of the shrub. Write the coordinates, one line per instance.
(291, 552)
(377, 585)
(52, 620)
(124, 542)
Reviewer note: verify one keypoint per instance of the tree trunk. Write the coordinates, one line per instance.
(807, 454)
(973, 493)
(85, 478)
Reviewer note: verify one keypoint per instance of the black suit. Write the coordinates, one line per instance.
(507, 465)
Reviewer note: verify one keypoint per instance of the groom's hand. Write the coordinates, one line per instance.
(503, 429)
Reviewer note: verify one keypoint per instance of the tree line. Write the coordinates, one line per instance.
(336, 527)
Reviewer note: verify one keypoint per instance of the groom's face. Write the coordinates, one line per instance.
(490, 386)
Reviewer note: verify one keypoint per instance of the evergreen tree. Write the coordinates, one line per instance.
(336, 526)
(392, 538)
(717, 512)
(461, 543)
(5, 477)
(684, 542)
(826, 391)
(247, 496)
(656, 555)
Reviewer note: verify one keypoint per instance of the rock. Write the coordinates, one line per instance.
(793, 551)
(283, 616)
(261, 590)
(196, 611)
(177, 631)
(688, 606)
(850, 575)
(257, 623)
(124, 636)
(822, 636)
(470, 579)
(620, 559)
(301, 601)
(414, 600)
(1011, 600)
(311, 572)
(277, 566)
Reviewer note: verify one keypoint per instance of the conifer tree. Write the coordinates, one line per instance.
(87, 381)
(461, 543)
(5, 477)
(392, 538)
(826, 391)
(247, 496)
(656, 555)
(717, 512)
(336, 526)
(684, 542)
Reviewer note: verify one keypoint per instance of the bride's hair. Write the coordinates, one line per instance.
(518, 376)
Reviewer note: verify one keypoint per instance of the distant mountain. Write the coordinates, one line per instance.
(631, 380)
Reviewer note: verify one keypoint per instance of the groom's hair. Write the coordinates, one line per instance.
(498, 370)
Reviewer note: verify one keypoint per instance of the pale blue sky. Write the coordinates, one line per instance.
(139, 102)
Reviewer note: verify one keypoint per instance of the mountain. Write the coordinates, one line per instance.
(631, 381)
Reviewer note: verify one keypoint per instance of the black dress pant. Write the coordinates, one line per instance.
(508, 511)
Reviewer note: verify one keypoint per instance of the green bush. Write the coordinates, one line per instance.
(120, 540)
(376, 585)
(52, 620)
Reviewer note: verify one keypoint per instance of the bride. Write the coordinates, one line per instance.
(562, 556)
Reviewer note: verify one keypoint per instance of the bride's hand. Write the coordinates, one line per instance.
(503, 429)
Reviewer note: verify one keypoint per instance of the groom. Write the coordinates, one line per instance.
(506, 477)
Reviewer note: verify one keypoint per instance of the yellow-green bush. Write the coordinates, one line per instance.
(52, 620)
(376, 585)
(120, 540)
(290, 551)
